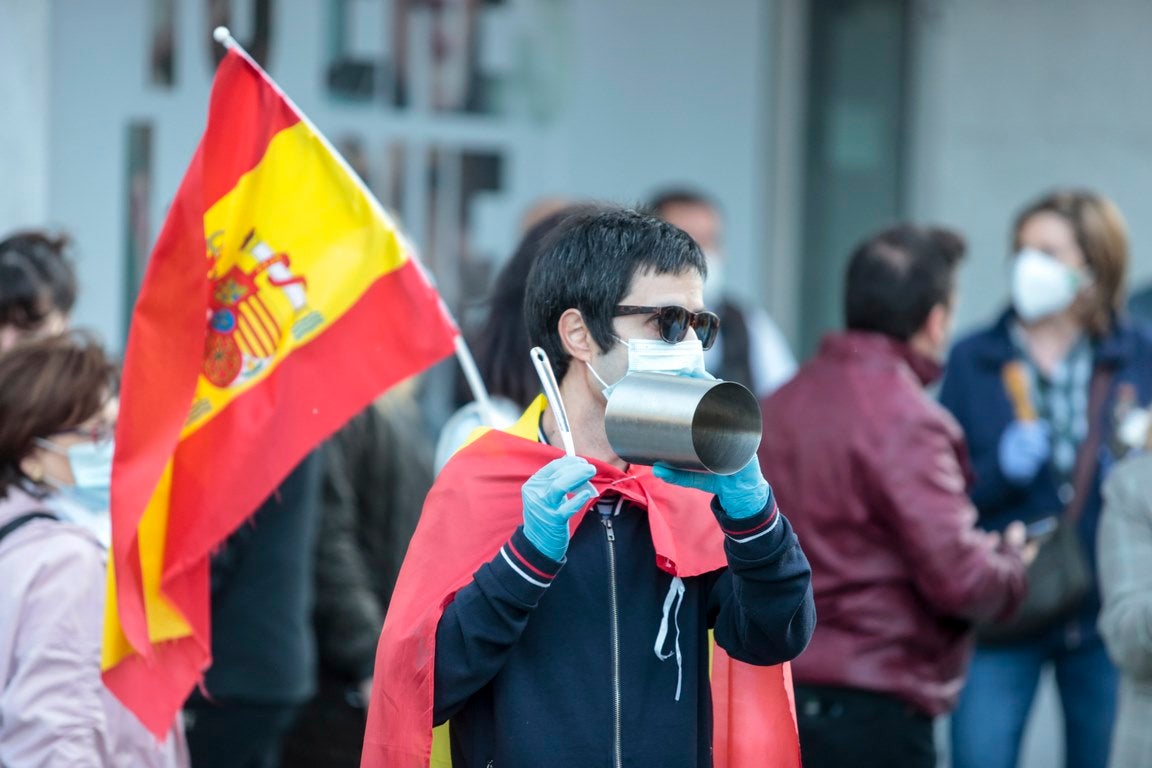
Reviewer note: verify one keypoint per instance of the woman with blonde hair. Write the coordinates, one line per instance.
(1036, 393)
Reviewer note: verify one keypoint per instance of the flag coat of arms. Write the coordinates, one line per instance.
(278, 302)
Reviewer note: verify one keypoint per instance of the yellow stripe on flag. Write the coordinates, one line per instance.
(289, 241)
(165, 622)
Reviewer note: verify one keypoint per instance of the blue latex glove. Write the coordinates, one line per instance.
(547, 507)
(742, 494)
(1024, 447)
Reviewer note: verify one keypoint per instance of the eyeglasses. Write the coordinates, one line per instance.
(675, 322)
(97, 433)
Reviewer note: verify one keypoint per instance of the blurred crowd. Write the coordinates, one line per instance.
(928, 481)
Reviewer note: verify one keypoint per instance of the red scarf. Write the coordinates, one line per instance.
(472, 510)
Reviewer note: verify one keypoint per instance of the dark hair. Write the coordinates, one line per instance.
(588, 263)
(896, 277)
(48, 385)
(1103, 238)
(502, 346)
(36, 277)
(664, 199)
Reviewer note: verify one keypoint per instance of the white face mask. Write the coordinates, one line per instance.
(91, 465)
(657, 356)
(79, 510)
(1043, 286)
(86, 503)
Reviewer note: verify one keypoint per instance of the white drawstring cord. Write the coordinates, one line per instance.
(675, 595)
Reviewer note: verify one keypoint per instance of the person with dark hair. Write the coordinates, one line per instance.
(37, 286)
(537, 582)
(376, 472)
(752, 350)
(58, 410)
(1078, 363)
(501, 346)
(263, 667)
(873, 473)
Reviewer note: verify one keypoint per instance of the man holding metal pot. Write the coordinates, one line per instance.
(556, 608)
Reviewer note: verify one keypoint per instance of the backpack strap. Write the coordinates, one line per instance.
(12, 525)
(1087, 459)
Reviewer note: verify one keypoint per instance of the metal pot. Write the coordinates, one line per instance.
(688, 423)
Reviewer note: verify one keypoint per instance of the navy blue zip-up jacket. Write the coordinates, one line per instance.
(545, 663)
(973, 390)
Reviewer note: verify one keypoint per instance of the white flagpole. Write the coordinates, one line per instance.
(463, 354)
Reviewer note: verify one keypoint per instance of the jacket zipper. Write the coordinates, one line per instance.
(618, 760)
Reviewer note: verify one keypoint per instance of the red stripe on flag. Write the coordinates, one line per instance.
(155, 689)
(162, 363)
(754, 715)
(250, 108)
(166, 339)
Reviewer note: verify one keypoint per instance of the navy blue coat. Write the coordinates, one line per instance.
(525, 666)
(263, 649)
(973, 391)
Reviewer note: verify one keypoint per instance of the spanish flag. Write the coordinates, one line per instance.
(279, 301)
(471, 512)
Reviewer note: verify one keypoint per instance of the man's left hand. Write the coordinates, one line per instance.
(742, 494)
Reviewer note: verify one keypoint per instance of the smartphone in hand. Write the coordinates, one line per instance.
(1038, 530)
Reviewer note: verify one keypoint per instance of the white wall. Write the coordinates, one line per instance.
(1016, 97)
(672, 92)
(1010, 99)
(644, 93)
(24, 117)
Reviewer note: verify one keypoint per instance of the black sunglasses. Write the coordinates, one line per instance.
(675, 322)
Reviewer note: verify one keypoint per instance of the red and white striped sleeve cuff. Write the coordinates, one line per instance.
(523, 558)
(743, 530)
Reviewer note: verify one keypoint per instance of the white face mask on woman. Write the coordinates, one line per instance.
(91, 465)
(1043, 286)
(685, 358)
(86, 501)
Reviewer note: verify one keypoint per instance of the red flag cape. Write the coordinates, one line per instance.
(280, 300)
(472, 510)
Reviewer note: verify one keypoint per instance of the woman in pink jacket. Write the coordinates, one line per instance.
(57, 413)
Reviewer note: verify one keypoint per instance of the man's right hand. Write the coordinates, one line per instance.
(547, 507)
(1024, 447)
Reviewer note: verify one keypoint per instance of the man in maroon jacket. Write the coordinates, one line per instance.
(873, 474)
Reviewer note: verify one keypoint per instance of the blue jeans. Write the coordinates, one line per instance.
(988, 724)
